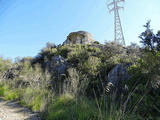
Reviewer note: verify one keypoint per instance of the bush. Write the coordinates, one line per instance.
(67, 108)
(77, 55)
(91, 66)
(76, 83)
(70, 95)
(36, 99)
(4, 64)
(145, 83)
(2, 89)
(8, 93)
(63, 51)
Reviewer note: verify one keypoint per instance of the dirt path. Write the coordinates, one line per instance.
(10, 110)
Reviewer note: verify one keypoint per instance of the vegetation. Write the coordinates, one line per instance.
(70, 82)
(145, 77)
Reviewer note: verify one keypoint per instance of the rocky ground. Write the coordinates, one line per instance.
(11, 110)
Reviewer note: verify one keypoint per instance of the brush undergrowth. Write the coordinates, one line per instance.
(33, 98)
(8, 93)
(65, 107)
(69, 96)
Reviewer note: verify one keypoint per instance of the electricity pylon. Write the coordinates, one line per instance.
(118, 32)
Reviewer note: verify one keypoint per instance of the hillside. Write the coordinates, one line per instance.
(87, 81)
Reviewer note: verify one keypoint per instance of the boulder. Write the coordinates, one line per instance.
(116, 77)
(80, 37)
(59, 64)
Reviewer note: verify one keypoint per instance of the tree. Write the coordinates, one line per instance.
(145, 77)
(149, 39)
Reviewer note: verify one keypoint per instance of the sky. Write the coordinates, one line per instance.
(27, 25)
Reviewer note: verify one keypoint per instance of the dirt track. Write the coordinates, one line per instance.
(11, 110)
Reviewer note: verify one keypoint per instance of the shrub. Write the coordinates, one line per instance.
(87, 66)
(11, 94)
(35, 98)
(63, 51)
(46, 54)
(8, 93)
(91, 66)
(2, 89)
(145, 82)
(67, 107)
(4, 64)
(77, 55)
(93, 49)
(76, 83)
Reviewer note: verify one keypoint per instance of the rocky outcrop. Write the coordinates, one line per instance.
(80, 37)
(60, 65)
(115, 78)
(57, 65)
(12, 73)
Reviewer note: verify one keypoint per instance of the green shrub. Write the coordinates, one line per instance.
(87, 69)
(49, 52)
(92, 65)
(67, 108)
(60, 109)
(2, 89)
(8, 93)
(4, 64)
(35, 98)
(63, 51)
(93, 49)
(11, 94)
(77, 54)
(145, 82)
(86, 109)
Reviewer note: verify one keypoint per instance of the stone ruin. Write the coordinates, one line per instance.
(80, 37)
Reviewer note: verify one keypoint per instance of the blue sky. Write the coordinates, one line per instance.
(26, 25)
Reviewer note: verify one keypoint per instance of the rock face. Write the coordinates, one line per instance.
(80, 37)
(12, 72)
(60, 64)
(57, 65)
(116, 76)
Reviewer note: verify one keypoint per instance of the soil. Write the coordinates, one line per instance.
(11, 110)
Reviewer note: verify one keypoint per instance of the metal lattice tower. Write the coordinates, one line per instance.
(118, 32)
